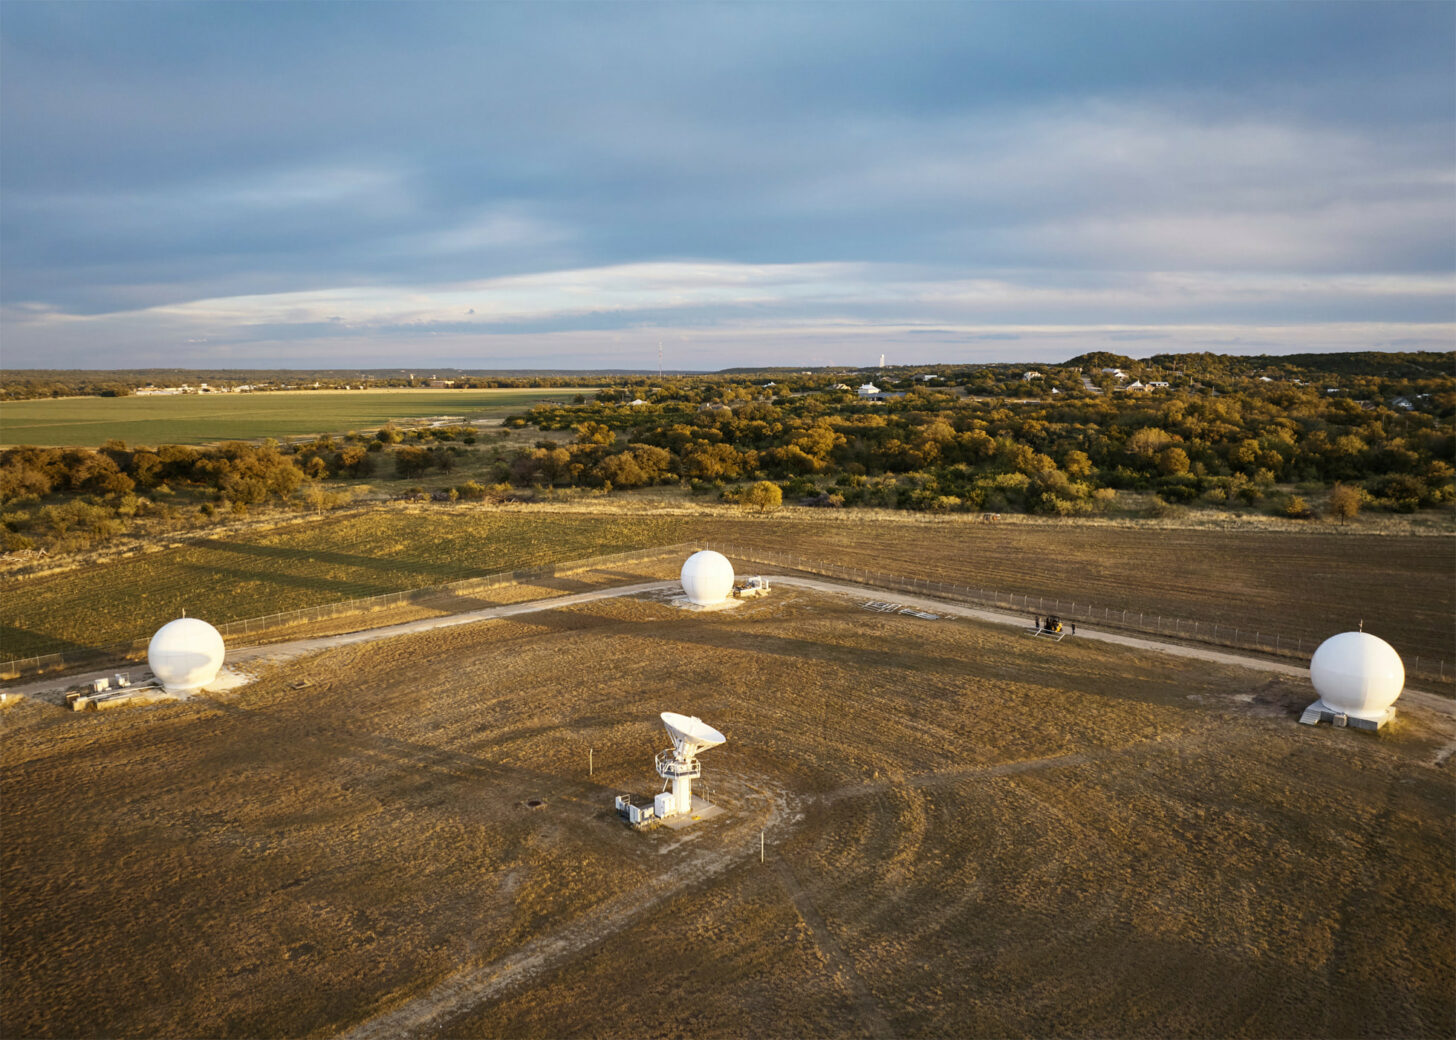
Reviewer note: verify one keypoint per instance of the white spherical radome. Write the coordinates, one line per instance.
(1357, 673)
(185, 655)
(707, 578)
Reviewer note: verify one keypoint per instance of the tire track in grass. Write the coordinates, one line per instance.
(473, 986)
(874, 1022)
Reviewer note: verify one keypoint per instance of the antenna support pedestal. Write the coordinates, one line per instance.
(682, 772)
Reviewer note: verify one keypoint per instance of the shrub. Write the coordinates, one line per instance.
(411, 462)
(763, 497)
(1297, 508)
(1344, 502)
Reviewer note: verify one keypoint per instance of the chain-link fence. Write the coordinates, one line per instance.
(135, 649)
(1236, 634)
(1242, 636)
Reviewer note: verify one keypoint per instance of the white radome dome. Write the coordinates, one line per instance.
(1357, 673)
(707, 578)
(185, 655)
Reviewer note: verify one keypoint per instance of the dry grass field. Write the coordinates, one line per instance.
(1302, 583)
(970, 833)
(251, 574)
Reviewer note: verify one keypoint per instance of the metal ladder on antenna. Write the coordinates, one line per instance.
(1311, 716)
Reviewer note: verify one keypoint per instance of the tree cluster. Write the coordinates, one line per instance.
(938, 449)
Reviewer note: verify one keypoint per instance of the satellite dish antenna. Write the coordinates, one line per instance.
(690, 736)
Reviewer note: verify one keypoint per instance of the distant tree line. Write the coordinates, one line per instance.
(21, 385)
(1230, 435)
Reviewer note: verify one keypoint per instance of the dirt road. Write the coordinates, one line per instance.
(52, 689)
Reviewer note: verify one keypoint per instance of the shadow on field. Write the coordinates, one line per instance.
(390, 769)
(349, 589)
(21, 643)
(441, 570)
(756, 641)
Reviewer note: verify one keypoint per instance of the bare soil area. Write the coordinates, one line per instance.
(969, 832)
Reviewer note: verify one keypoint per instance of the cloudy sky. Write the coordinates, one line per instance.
(566, 185)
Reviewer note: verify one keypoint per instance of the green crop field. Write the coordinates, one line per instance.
(88, 422)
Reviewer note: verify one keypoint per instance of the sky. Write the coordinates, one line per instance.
(502, 185)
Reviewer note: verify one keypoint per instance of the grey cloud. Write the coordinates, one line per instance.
(160, 154)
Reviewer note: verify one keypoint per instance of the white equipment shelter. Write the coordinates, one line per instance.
(679, 763)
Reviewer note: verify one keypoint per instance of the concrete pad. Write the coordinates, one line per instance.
(701, 811)
(683, 603)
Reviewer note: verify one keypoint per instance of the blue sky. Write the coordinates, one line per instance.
(565, 185)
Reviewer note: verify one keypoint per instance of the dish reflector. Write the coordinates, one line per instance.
(690, 734)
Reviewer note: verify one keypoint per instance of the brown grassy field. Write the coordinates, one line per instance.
(1302, 583)
(1298, 582)
(969, 834)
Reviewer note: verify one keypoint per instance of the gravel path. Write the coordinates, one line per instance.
(1431, 701)
(54, 688)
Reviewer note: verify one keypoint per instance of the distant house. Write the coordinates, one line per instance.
(636, 403)
(1265, 379)
(1157, 385)
(1115, 373)
(1137, 386)
(927, 377)
(868, 390)
(440, 384)
(1027, 377)
(840, 386)
(1403, 402)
